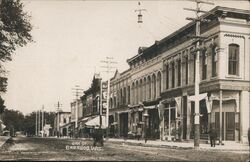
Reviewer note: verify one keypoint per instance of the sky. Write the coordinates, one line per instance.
(72, 37)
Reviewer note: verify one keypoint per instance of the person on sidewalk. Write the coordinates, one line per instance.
(213, 136)
(139, 132)
(146, 135)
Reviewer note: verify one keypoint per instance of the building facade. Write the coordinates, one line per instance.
(157, 92)
(62, 123)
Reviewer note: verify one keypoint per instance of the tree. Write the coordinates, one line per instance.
(15, 31)
(29, 123)
(2, 106)
(13, 120)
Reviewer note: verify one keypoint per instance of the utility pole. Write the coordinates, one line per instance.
(36, 124)
(58, 105)
(108, 68)
(77, 91)
(42, 120)
(198, 41)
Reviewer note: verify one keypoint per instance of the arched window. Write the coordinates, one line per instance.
(204, 65)
(214, 62)
(167, 76)
(141, 90)
(149, 87)
(128, 94)
(173, 73)
(179, 72)
(114, 102)
(133, 93)
(136, 92)
(154, 86)
(233, 59)
(144, 89)
(158, 84)
(111, 103)
(124, 96)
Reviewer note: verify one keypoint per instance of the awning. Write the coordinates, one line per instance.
(200, 97)
(125, 111)
(151, 107)
(95, 122)
(84, 119)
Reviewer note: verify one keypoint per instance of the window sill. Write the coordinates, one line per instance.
(233, 77)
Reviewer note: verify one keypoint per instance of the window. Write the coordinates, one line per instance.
(233, 61)
(128, 94)
(204, 65)
(64, 120)
(194, 66)
(214, 62)
(179, 72)
(186, 67)
(173, 74)
(167, 76)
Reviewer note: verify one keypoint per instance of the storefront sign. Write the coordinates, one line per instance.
(104, 86)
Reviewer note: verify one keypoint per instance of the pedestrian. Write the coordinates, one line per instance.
(213, 136)
(139, 132)
(146, 135)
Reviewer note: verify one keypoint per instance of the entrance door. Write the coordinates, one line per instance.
(229, 125)
(124, 124)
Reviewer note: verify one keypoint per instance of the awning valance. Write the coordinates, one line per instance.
(151, 107)
(95, 122)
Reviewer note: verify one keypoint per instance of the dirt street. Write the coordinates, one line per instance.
(76, 149)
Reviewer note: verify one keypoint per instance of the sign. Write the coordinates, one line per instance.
(104, 90)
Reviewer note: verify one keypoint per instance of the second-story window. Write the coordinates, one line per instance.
(233, 59)
(167, 76)
(173, 74)
(128, 94)
(204, 65)
(214, 62)
(186, 69)
(179, 72)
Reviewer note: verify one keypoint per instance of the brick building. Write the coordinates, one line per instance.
(156, 92)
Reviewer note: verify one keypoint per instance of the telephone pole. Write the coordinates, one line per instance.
(109, 61)
(58, 105)
(36, 124)
(42, 120)
(77, 91)
(198, 41)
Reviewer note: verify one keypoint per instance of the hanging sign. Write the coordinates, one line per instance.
(104, 86)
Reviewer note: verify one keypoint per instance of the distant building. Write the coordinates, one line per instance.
(62, 123)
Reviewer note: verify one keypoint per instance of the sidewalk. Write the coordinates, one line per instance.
(228, 146)
(3, 139)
